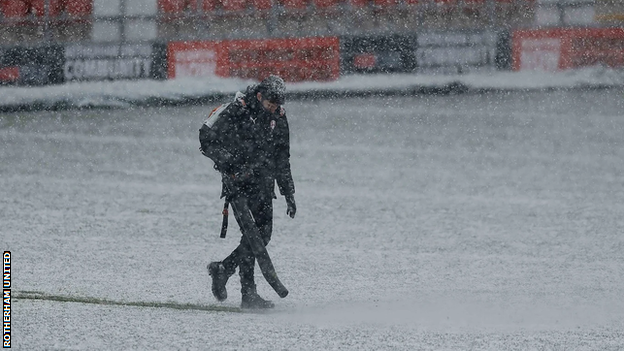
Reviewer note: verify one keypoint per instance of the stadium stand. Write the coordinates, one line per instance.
(69, 20)
(261, 5)
(12, 9)
(293, 16)
(610, 12)
(44, 20)
(172, 6)
(234, 5)
(191, 19)
(79, 8)
(37, 7)
(331, 16)
(325, 4)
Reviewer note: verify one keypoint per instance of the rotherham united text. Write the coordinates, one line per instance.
(6, 300)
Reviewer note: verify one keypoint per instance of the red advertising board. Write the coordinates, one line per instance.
(560, 49)
(196, 59)
(294, 59)
(9, 74)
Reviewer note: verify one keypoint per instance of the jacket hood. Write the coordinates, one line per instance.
(250, 97)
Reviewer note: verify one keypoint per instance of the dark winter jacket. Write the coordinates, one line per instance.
(249, 146)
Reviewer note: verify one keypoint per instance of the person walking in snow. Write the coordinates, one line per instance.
(248, 141)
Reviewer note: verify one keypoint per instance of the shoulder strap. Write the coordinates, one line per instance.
(215, 114)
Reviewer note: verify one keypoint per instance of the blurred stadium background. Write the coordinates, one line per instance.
(54, 41)
(36, 21)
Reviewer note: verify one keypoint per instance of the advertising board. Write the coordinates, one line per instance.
(455, 52)
(31, 66)
(113, 61)
(294, 59)
(561, 49)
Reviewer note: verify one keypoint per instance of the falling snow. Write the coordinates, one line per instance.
(488, 220)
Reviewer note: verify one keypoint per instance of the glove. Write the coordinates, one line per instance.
(291, 207)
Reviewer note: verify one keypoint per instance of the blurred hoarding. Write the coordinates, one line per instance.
(561, 49)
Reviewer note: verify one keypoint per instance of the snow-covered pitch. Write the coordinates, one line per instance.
(462, 222)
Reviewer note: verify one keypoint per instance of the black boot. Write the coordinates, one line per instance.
(219, 280)
(251, 299)
(254, 301)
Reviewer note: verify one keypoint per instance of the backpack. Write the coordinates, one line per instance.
(209, 122)
(215, 114)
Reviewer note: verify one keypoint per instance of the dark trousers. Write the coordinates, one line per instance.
(261, 207)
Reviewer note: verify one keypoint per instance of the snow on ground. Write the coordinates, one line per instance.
(484, 221)
(125, 93)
